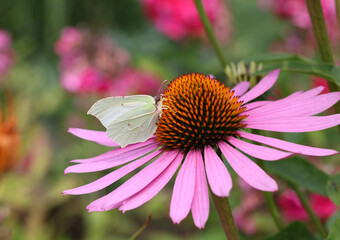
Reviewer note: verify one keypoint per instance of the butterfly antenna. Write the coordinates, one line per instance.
(160, 88)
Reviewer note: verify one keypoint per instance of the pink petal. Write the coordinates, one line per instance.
(116, 152)
(111, 177)
(200, 203)
(266, 83)
(293, 108)
(135, 183)
(294, 124)
(313, 92)
(240, 88)
(110, 162)
(95, 136)
(218, 176)
(184, 187)
(154, 187)
(256, 104)
(247, 169)
(99, 209)
(257, 151)
(288, 146)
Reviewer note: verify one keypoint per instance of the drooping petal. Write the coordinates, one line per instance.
(266, 83)
(293, 108)
(288, 146)
(100, 209)
(99, 137)
(110, 163)
(108, 156)
(135, 183)
(294, 124)
(154, 187)
(247, 169)
(257, 151)
(111, 177)
(184, 187)
(200, 203)
(241, 88)
(218, 176)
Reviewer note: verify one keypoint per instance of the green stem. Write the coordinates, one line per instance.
(305, 204)
(273, 210)
(320, 30)
(271, 204)
(322, 38)
(210, 33)
(338, 11)
(141, 229)
(226, 217)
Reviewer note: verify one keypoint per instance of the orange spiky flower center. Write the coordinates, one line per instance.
(198, 110)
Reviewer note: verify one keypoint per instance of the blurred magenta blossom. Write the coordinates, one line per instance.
(296, 11)
(292, 208)
(6, 53)
(301, 39)
(318, 81)
(179, 19)
(91, 63)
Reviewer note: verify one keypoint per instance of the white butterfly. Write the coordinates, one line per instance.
(129, 119)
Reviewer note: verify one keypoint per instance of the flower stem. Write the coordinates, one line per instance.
(210, 33)
(338, 11)
(273, 210)
(271, 204)
(305, 204)
(320, 30)
(226, 217)
(322, 39)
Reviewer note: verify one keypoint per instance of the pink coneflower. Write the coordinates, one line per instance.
(200, 116)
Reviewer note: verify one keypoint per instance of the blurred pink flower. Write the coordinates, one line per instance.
(322, 206)
(296, 11)
(91, 63)
(6, 53)
(318, 81)
(69, 41)
(179, 19)
(132, 81)
(186, 139)
(292, 208)
(300, 39)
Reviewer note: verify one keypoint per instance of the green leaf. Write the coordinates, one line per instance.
(299, 64)
(294, 231)
(334, 233)
(333, 189)
(300, 172)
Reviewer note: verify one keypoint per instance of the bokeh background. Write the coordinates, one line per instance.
(64, 55)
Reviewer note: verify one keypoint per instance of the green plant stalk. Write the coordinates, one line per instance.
(210, 33)
(273, 210)
(271, 203)
(226, 217)
(320, 31)
(338, 11)
(321, 35)
(316, 221)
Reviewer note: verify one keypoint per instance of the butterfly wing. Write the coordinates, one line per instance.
(138, 130)
(128, 119)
